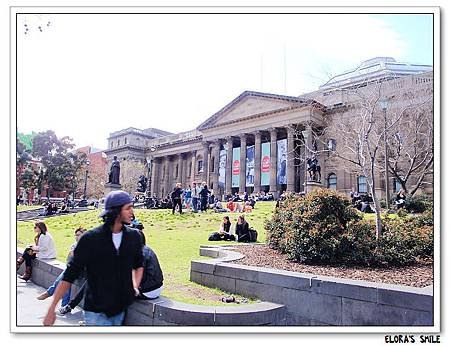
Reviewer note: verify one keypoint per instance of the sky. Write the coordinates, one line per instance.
(87, 75)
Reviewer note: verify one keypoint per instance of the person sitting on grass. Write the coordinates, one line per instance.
(230, 205)
(225, 230)
(242, 229)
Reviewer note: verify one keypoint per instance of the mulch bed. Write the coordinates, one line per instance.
(419, 275)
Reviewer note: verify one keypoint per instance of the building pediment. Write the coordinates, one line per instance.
(249, 104)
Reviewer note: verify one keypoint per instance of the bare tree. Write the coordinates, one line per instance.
(411, 147)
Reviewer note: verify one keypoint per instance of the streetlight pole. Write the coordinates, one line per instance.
(149, 171)
(384, 105)
(85, 179)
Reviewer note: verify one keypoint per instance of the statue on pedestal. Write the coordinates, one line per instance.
(313, 168)
(114, 172)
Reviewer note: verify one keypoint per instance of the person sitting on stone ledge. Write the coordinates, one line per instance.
(43, 248)
(152, 278)
(49, 292)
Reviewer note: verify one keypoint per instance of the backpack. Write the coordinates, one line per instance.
(214, 236)
(253, 235)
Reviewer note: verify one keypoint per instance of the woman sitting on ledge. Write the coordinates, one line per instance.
(43, 248)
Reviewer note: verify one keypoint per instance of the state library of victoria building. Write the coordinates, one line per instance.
(261, 141)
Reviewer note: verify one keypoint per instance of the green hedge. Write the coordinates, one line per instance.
(323, 228)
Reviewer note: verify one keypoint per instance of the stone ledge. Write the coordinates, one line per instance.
(297, 291)
(176, 313)
(164, 311)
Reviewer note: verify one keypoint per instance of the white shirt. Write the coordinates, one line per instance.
(46, 247)
(117, 239)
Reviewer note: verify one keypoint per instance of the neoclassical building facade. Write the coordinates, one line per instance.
(259, 141)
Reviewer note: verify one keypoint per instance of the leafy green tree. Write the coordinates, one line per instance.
(60, 166)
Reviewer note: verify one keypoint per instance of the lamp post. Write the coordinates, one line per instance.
(306, 136)
(384, 104)
(149, 171)
(85, 179)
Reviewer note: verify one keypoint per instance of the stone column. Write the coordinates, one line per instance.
(273, 162)
(242, 165)
(257, 167)
(181, 170)
(194, 155)
(215, 173)
(154, 176)
(290, 165)
(166, 176)
(229, 166)
(205, 161)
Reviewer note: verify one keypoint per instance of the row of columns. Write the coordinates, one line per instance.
(211, 174)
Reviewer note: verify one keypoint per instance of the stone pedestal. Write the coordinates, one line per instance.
(112, 187)
(313, 185)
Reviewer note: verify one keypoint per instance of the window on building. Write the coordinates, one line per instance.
(212, 165)
(397, 186)
(118, 142)
(332, 144)
(176, 171)
(112, 144)
(200, 166)
(332, 181)
(362, 184)
(125, 141)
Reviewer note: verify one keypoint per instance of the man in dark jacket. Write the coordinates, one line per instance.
(112, 257)
(204, 193)
(176, 198)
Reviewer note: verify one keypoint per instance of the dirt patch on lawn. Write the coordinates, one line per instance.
(419, 275)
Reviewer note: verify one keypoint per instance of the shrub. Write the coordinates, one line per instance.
(322, 227)
(309, 229)
(419, 204)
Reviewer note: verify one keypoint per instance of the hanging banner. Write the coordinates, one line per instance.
(281, 158)
(250, 166)
(235, 169)
(222, 164)
(265, 164)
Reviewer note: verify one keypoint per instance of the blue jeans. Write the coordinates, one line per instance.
(100, 319)
(66, 298)
(195, 203)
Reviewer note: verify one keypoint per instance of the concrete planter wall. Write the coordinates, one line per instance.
(166, 312)
(319, 300)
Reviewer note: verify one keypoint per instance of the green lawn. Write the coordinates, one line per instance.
(175, 239)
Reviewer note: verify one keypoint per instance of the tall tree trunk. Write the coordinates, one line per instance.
(376, 201)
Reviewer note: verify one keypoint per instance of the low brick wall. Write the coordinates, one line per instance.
(319, 300)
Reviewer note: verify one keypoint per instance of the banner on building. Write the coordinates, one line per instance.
(222, 164)
(250, 166)
(265, 164)
(281, 158)
(235, 169)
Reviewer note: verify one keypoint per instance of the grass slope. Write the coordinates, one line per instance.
(175, 239)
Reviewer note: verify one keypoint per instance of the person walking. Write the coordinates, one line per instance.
(43, 248)
(188, 197)
(176, 198)
(112, 256)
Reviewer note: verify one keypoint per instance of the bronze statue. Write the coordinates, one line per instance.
(114, 172)
(313, 169)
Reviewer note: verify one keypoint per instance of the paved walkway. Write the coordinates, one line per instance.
(31, 312)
